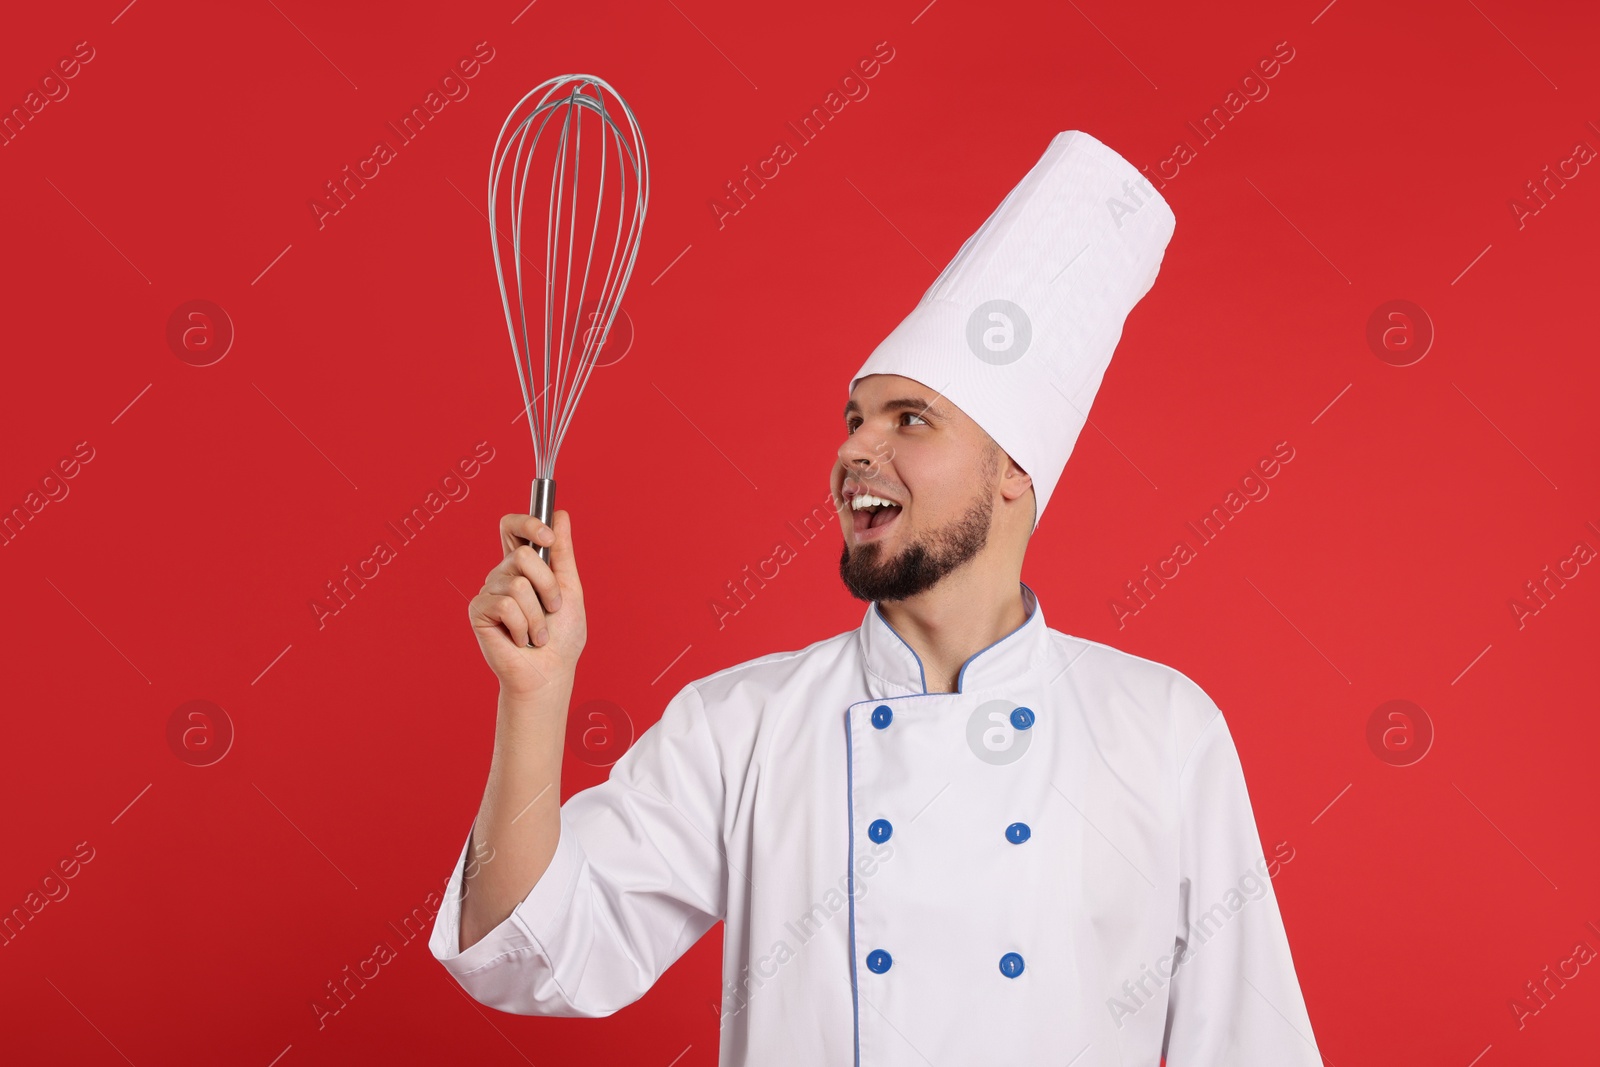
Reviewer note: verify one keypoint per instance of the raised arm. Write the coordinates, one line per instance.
(577, 909)
(530, 623)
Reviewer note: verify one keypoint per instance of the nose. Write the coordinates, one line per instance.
(863, 450)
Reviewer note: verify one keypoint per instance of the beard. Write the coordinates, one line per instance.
(923, 563)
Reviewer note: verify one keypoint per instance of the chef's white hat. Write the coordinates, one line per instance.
(1018, 329)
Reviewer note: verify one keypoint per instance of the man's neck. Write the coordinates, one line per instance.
(950, 623)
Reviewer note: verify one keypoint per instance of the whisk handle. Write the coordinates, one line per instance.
(543, 507)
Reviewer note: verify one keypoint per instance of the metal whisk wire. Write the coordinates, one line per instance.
(576, 326)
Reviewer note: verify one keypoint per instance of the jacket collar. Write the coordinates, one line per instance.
(893, 669)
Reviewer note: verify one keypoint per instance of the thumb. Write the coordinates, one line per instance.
(562, 560)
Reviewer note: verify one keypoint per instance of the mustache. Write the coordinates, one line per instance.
(870, 474)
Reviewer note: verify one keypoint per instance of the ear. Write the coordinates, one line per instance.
(1014, 481)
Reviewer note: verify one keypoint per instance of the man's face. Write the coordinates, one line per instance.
(936, 472)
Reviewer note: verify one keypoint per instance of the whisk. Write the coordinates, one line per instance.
(542, 141)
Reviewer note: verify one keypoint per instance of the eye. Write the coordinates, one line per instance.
(914, 415)
(850, 425)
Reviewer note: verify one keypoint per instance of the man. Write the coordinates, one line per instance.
(952, 836)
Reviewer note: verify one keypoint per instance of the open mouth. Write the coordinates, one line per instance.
(871, 515)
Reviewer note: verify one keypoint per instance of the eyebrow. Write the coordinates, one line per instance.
(904, 403)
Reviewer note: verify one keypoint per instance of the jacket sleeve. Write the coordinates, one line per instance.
(638, 875)
(1234, 999)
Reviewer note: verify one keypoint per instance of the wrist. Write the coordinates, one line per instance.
(548, 696)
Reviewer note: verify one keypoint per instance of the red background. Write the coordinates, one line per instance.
(370, 356)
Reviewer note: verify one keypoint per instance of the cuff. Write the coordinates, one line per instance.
(530, 922)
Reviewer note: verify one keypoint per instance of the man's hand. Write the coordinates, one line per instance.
(529, 616)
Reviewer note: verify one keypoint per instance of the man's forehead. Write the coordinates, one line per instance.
(895, 393)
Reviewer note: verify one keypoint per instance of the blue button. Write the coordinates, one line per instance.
(879, 961)
(1018, 832)
(1022, 718)
(882, 716)
(1010, 965)
(880, 830)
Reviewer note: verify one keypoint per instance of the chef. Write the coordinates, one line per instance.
(953, 835)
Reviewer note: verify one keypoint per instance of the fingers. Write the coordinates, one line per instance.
(524, 582)
(524, 562)
(504, 611)
(515, 578)
(521, 529)
(517, 605)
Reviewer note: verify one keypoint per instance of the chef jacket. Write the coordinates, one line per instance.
(1055, 864)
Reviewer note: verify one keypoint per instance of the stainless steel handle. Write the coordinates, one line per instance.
(543, 507)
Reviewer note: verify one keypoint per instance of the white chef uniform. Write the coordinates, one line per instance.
(1001, 875)
(1056, 864)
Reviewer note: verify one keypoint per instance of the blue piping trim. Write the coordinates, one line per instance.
(961, 676)
(920, 672)
(850, 860)
(849, 778)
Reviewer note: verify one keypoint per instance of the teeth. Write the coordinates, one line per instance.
(867, 500)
